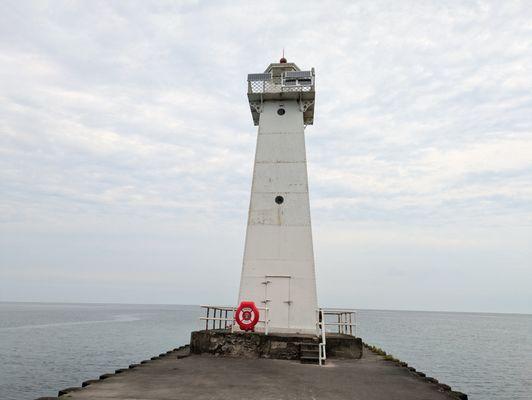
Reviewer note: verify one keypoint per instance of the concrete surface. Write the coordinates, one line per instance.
(278, 346)
(207, 377)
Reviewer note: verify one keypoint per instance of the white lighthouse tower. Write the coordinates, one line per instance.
(278, 267)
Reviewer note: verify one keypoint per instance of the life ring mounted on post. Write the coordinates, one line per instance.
(247, 315)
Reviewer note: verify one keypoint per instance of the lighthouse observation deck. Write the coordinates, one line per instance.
(282, 81)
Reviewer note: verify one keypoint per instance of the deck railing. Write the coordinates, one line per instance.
(218, 317)
(223, 317)
(265, 83)
(342, 321)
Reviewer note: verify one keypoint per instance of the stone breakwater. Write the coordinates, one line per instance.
(178, 352)
(422, 375)
(180, 374)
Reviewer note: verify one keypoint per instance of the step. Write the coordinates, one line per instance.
(310, 360)
(309, 352)
(309, 345)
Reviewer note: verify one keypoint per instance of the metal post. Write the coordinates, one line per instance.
(267, 321)
(345, 323)
(344, 316)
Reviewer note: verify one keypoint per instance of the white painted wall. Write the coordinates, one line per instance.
(278, 268)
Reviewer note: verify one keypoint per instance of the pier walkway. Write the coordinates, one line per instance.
(178, 376)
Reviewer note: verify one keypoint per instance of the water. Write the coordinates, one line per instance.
(47, 347)
(487, 356)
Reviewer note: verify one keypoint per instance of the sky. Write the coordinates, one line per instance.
(127, 146)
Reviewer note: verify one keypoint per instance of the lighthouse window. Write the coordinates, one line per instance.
(279, 199)
(281, 111)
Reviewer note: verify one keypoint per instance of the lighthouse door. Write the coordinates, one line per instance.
(277, 299)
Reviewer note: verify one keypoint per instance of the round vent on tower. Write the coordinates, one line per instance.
(279, 199)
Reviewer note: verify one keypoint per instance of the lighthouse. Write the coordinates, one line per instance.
(278, 272)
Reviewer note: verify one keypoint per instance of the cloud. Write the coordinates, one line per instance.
(121, 115)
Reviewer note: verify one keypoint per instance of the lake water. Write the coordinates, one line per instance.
(47, 347)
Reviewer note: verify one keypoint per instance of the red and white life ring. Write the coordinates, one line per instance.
(247, 315)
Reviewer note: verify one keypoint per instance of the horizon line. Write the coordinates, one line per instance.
(198, 305)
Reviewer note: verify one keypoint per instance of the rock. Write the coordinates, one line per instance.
(68, 390)
(459, 395)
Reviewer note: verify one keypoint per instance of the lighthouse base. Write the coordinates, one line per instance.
(283, 346)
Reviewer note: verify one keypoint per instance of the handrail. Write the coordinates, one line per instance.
(227, 317)
(322, 354)
(346, 321)
(219, 307)
(266, 83)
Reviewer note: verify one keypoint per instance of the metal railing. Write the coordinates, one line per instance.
(265, 83)
(343, 320)
(222, 317)
(321, 332)
(218, 317)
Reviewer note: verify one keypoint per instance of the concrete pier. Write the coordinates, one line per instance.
(181, 375)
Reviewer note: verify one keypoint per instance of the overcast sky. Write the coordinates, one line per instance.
(127, 145)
